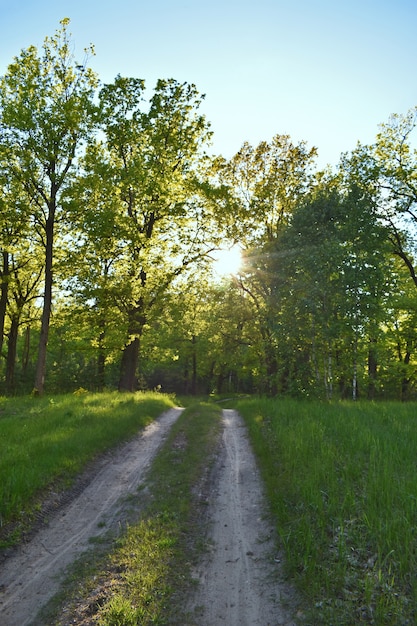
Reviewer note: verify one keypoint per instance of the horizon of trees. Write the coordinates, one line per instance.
(110, 210)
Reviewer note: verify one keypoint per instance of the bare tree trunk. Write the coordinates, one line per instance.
(355, 369)
(101, 357)
(26, 350)
(130, 358)
(372, 368)
(194, 361)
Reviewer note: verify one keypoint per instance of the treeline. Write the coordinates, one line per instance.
(112, 208)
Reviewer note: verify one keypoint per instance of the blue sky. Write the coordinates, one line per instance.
(321, 71)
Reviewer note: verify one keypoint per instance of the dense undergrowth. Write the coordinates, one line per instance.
(342, 484)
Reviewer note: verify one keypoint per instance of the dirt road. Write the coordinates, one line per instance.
(240, 581)
(31, 577)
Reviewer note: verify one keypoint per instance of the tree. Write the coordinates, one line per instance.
(24, 279)
(387, 172)
(265, 184)
(331, 284)
(152, 164)
(203, 341)
(47, 112)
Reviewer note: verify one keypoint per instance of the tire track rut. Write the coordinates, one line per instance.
(32, 576)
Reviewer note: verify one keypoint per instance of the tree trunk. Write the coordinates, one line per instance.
(26, 350)
(130, 357)
(47, 306)
(11, 354)
(372, 368)
(3, 295)
(271, 365)
(101, 357)
(405, 382)
(194, 361)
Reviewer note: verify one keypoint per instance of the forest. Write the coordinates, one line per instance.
(112, 212)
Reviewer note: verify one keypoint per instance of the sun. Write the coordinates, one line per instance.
(227, 261)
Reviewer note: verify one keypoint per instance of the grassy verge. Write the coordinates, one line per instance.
(342, 484)
(145, 577)
(48, 441)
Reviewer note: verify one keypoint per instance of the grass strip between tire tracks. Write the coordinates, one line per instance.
(142, 579)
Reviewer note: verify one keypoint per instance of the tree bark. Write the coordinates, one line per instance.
(372, 368)
(130, 358)
(194, 361)
(3, 295)
(11, 354)
(26, 350)
(101, 357)
(47, 305)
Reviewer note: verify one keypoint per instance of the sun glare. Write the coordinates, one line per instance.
(228, 261)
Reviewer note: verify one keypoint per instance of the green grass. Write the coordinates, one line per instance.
(48, 441)
(340, 477)
(145, 578)
(342, 483)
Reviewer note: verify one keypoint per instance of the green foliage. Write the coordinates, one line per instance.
(114, 205)
(46, 113)
(342, 487)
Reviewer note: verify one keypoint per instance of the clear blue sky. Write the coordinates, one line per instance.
(323, 71)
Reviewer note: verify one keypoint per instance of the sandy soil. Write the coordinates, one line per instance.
(31, 577)
(238, 582)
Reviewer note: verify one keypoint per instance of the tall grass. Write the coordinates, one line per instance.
(342, 483)
(45, 441)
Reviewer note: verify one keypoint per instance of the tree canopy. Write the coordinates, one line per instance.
(112, 210)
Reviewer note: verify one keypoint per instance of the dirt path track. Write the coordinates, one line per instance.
(31, 577)
(240, 581)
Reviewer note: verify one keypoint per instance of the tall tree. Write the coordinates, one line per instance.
(46, 113)
(265, 184)
(332, 265)
(151, 163)
(387, 172)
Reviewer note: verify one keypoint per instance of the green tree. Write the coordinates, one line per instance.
(203, 342)
(265, 185)
(47, 112)
(332, 289)
(25, 276)
(152, 167)
(387, 172)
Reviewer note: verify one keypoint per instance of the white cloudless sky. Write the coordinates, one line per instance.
(324, 71)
